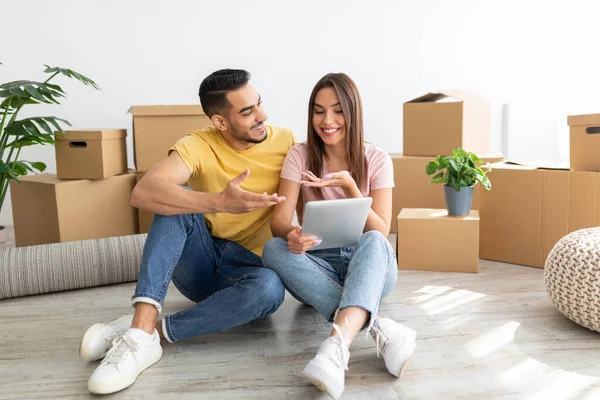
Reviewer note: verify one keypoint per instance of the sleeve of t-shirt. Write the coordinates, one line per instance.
(187, 148)
(382, 171)
(293, 165)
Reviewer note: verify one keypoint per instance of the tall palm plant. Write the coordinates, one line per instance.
(18, 133)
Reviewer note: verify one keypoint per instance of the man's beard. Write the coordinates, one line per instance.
(244, 136)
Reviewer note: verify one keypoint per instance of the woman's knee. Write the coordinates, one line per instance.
(372, 237)
(273, 252)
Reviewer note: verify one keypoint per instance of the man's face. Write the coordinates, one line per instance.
(246, 116)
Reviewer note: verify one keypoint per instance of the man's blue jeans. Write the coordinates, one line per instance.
(228, 282)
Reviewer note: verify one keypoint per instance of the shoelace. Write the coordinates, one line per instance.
(121, 347)
(341, 342)
(110, 337)
(381, 333)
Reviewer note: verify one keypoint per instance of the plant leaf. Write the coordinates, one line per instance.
(72, 74)
(431, 167)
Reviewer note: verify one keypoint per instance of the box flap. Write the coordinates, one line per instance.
(447, 96)
(584, 119)
(533, 164)
(92, 134)
(162, 110)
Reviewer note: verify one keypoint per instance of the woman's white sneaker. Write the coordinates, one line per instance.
(327, 370)
(396, 342)
(135, 351)
(99, 338)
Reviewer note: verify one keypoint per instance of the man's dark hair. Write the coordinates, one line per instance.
(214, 88)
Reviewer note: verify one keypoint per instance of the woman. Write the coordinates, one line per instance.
(345, 284)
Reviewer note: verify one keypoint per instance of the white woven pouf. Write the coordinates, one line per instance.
(572, 277)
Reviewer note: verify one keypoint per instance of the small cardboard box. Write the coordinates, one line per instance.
(430, 240)
(437, 123)
(413, 190)
(531, 207)
(585, 142)
(144, 217)
(157, 128)
(91, 154)
(48, 210)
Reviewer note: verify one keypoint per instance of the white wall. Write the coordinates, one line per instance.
(157, 52)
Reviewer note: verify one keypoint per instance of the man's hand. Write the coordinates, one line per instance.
(236, 200)
(298, 244)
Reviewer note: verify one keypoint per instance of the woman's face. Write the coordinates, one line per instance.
(327, 118)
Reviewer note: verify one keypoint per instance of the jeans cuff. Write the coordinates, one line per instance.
(165, 331)
(146, 300)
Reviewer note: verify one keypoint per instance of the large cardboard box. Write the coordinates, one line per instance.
(413, 190)
(585, 142)
(91, 154)
(430, 240)
(531, 207)
(157, 128)
(144, 217)
(437, 123)
(48, 210)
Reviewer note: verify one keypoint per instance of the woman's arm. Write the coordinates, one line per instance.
(380, 215)
(281, 221)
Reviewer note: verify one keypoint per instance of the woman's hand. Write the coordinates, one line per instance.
(341, 179)
(298, 244)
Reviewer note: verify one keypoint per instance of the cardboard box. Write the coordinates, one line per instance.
(585, 142)
(430, 240)
(91, 154)
(157, 128)
(413, 190)
(437, 123)
(531, 207)
(48, 210)
(144, 217)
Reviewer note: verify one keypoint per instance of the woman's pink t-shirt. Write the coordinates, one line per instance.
(380, 172)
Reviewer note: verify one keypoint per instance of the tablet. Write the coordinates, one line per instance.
(338, 223)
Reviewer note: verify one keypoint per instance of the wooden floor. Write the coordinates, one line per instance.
(492, 335)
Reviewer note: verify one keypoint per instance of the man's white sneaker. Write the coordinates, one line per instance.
(135, 351)
(327, 370)
(98, 339)
(396, 342)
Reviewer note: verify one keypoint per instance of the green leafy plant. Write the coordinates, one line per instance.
(18, 133)
(458, 170)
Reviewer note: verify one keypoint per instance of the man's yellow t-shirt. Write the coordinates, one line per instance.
(213, 163)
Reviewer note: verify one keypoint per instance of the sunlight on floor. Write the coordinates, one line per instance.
(430, 291)
(493, 340)
(449, 301)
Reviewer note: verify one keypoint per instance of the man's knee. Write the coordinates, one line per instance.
(269, 288)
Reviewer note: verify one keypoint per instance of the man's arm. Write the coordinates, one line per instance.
(160, 192)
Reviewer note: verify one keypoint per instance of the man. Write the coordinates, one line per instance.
(207, 240)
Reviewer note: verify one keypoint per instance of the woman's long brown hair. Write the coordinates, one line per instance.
(349, 97)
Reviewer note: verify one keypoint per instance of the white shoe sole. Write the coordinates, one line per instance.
(85, 347)
(401, 361)
(124, 382)
(315, 374)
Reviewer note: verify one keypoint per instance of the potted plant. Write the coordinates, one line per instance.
(459, 173)
(18, 133)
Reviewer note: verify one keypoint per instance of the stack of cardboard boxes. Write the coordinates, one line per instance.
(89, 196)
(435, 124)
(532, 205)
